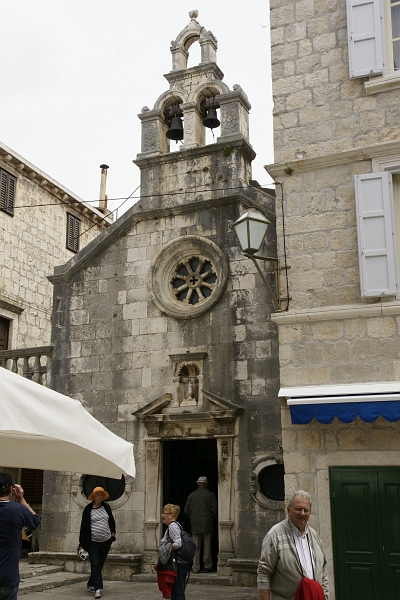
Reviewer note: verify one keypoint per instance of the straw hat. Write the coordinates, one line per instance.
(99, 489)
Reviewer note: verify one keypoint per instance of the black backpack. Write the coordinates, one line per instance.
(188, 549)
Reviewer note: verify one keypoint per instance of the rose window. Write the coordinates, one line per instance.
(193, 280)
(188, 277)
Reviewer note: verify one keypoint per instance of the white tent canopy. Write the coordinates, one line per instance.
(42, 429)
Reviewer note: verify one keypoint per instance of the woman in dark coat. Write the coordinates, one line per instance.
(96, 536)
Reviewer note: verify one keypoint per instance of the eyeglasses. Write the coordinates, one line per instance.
(299, 510)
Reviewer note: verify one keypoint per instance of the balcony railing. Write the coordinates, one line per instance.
(36, 363)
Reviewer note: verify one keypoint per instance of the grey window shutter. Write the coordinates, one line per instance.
(365, 28)
(3, 190)
(7, 192)
(11, 194)
(376, 235)
(73, 232)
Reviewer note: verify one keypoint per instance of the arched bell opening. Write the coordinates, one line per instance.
(173, 119)
(209, 107)
(193, 50)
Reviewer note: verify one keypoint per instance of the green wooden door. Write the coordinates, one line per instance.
(365, 505)
(389, 495)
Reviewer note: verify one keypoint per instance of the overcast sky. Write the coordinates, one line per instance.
(75, 74)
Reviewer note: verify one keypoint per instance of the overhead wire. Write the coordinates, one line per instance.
(131, 197)
(111, 211)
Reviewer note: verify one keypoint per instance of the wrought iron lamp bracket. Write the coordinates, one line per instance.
(275, 296)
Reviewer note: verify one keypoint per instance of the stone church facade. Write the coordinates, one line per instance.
(336, 89)
(163, 331)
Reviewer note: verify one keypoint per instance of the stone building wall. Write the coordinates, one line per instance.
(318, 109)
(328, 128)
(32, 242)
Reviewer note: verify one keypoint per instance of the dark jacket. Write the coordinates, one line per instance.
(201, 508)
(85, 538)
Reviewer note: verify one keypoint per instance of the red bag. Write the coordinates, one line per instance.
(165, 580)
(309, 589)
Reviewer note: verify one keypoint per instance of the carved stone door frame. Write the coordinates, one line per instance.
(215, 420)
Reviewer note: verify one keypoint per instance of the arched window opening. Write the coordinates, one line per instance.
(194, 58)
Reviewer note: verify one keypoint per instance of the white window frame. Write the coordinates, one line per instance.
(389, 78)
(365, 30)
(386, 166)
(375, 233)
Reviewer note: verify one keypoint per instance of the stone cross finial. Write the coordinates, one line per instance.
(193, 14)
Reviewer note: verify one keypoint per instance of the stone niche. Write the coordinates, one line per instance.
(191, 413)
(188, 377)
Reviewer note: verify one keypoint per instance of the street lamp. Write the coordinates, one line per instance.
(251, 228)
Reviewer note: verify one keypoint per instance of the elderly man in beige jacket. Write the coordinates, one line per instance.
(290, 551)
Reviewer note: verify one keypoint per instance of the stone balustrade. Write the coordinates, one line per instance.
(32, 366)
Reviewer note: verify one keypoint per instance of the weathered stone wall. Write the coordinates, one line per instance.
(327, 129)
(317, 108)
(340, 351)
(112, 347)
(32, 242)
(321, 235)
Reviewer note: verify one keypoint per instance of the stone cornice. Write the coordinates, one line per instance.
(277, 170)
(202, 69)
(334, 313)
(11, 305)
(145, 160)
(65, 196)
(250, 196)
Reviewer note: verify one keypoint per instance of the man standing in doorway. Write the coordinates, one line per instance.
(13, 517)
(201, 508)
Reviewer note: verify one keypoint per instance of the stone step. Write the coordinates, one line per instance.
(38, 583)
(198, 578)
(27, 570)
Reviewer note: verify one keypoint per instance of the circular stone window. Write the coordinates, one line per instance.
(115, 487)
(188, 277)
(272, 482)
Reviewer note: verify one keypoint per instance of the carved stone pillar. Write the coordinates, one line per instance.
(209, 46)
(154, 140)
(234, 110)
(179, 57)
(225, 501)
(194, 131)
(152, 502)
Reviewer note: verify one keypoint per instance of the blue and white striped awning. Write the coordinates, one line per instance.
(346, 402)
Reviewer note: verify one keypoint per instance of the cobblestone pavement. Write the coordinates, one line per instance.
(125, 590)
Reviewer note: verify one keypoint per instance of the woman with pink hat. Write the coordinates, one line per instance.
(96, 536)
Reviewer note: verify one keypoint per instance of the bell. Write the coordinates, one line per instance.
(211, 119)
(175, 131)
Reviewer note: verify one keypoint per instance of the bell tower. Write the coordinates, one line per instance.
(197, 98)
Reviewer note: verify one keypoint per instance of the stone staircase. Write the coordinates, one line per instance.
(39, 577)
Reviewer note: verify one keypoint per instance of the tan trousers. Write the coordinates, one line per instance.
(206, 539)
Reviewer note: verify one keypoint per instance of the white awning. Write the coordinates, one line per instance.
(325, 402)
